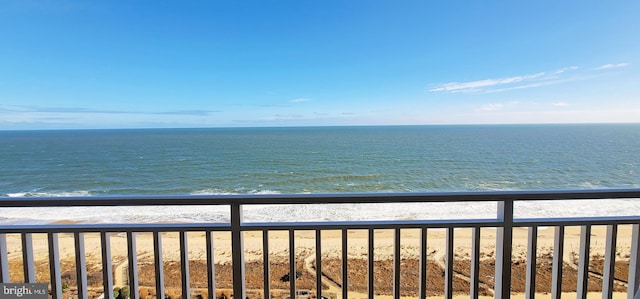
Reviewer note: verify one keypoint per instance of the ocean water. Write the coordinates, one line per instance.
(317, 160)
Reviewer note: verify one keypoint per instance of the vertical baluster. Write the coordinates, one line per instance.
(396, 263)
(81, 265)
(237, 251)
(448, 271)
(583, 262)
(345, 269)
(532, 253)
(370, 261)
(132, 254)
(28, 262)
(54, 266)
(558, 252)
(609, 261)
(159, 264)
(423, 263)
(504, 238)
(4, 260)
(266, 265)
(634, 264)
(475, 263)
(318, 263)
(107, 265)
(184, 264)
(292, 263)
(211, 266)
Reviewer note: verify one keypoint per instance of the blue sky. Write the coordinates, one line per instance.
(141, 64)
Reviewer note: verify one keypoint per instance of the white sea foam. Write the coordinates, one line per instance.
(321, 212)
(236, 192)
(212, 192)
(36, 193)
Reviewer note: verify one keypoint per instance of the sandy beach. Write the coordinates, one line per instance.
(331, 263)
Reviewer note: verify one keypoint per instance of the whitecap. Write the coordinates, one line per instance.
(50, 194)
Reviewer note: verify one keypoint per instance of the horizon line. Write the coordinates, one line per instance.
(318, 126)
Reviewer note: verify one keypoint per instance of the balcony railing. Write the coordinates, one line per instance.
(503, 223)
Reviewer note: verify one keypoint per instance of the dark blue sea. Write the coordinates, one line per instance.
(315, 160)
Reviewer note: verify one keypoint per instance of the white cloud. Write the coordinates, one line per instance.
(83, 110)
(476, 85)
(531, 85)
(491, 107)
(504, 84)
(565, 69)
(300, 100)
(611, 66)
(288, 116)
(497, 106)
(560, 104)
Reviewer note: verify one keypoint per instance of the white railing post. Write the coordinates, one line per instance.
(159, 264)
(132, 255)
(558, 253)
(504, 238)
(28, 261)
(107, 265)
(532, 261)
(211, 266)
(54, 266)
(237, 251)
(448, 269)
(81, 265)
(583, 262)
(609, 261)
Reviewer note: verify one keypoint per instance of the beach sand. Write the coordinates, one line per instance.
(331, 263)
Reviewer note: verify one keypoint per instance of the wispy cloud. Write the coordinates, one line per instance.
(507, 83)
(287, 116)
(497, 106)
(565, 69)
(300, 100)
(189, 112)
(83, 110)
(17, 108)
(560, 104)
(480, 84)
(491, 107)
(611, 66)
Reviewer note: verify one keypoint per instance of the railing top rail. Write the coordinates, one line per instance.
(341, 198)
(113, 227)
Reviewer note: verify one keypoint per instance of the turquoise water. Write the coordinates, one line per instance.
(319, 160)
